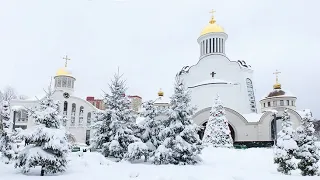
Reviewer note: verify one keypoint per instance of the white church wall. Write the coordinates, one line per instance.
(266, 119)
(225, 70)
(243, 130)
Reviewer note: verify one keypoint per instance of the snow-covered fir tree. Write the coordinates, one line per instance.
(217, 132)
(47, 143)
(7, 145)
(151, 126)
(307, 152)
(180, 141)
(286, 146)
(113, 129)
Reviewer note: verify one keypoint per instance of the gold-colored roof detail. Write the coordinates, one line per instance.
(63, 71)
(277, 85)
(212, 27)
(160, 93)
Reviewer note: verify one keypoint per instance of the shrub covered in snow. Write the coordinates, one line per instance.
(181, 143)
(307, 152)
(136, 151)
(217, 132)
(286, 146)
(47, 144)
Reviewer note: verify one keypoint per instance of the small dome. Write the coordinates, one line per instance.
(212, 27)
(160, 93)
(63, 72)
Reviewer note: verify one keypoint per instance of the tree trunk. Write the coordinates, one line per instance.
(42, 171)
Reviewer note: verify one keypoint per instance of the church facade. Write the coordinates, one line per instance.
(215, 73)
(77, 112)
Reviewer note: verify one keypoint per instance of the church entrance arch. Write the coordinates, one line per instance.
(203, 127)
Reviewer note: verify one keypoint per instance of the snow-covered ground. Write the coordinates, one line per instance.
(218, 164)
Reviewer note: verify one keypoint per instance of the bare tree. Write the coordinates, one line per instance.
(9, 93)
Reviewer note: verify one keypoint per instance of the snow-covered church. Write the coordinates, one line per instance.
(215, 73)
(79, 112)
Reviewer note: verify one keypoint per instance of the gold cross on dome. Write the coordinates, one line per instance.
(276, 73)
(212, 11)
(67, 59)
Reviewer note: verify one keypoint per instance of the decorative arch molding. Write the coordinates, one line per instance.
(281, 109)
(240, 119)
(231, 62)
(226, 109)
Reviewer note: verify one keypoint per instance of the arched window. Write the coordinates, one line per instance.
(64, 82)
(69, 83)
(81, 111)
(81, 115)
(73, 111)
(89, 118)
(252, 99)
(65, 108)
(59, 82)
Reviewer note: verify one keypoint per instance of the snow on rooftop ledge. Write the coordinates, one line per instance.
(213, 81)
(252, 117)
(17, 108)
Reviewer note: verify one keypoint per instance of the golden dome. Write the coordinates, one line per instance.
(160, 93)
(212, 27)
(63, 72)
(277, 86)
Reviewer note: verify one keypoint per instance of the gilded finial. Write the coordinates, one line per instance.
(277, 85)
(212, 21)
(160, 93)
(67, 59)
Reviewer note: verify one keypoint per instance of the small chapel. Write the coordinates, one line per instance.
(214, 73)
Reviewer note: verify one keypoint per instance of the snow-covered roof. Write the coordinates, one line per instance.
(278, 93)
(252, 117)
(17, 108)
(213, 81)
(162, 100)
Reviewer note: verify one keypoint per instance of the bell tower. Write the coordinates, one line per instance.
(64, 81)
(212, 39)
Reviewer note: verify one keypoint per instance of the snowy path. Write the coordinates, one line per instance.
(219, 164)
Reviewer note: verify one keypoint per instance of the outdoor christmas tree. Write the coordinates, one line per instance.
(48, 145)
(114, 127)
(307, 152)
(7, 145)
(217, 132)
(286, 146)
(181, 143)
(151, 126)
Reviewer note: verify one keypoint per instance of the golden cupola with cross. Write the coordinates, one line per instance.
(64, 81)
(212, 39)
(212, 27)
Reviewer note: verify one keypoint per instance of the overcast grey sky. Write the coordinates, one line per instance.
(151, 40)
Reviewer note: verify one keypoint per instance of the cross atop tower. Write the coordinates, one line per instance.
(276, 73)
(67, 59)
(212, 17)
(212, 11)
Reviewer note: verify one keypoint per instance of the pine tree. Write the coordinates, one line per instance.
(48, 145)
(151, 126)
(7, 145)
(116, 124)
(286, 146)
(181, 143)
(307, 152)
(217, 132)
